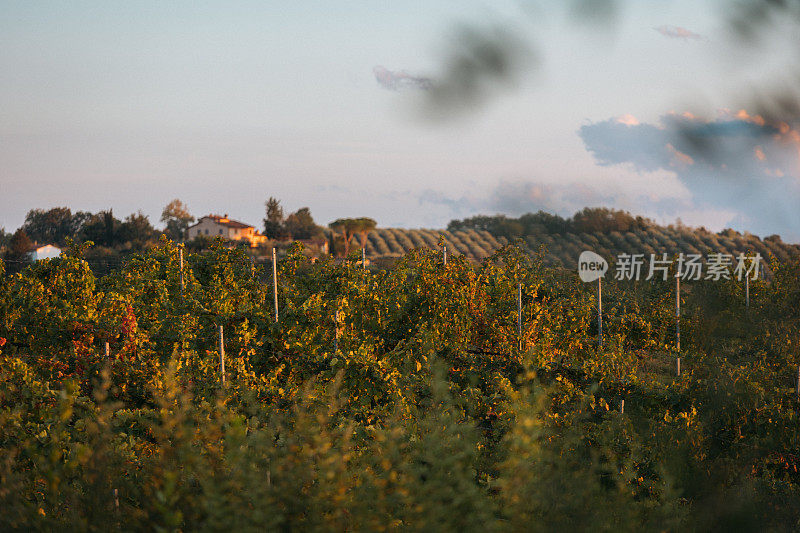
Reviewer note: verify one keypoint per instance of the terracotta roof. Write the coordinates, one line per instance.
(223, 221)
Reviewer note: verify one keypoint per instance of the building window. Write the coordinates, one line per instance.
(220, 232)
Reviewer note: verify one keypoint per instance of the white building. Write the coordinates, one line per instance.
(47, 251)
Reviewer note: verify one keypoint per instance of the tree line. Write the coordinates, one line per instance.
(115, 238)
(111, 236)
(606, 231)
(588, 220)
(300, 226)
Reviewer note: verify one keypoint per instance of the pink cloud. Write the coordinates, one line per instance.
(399, 79)
(676, 32)
(628, 120)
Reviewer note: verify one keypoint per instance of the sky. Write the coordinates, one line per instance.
(389, 110)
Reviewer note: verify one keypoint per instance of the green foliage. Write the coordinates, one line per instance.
(300, 225)
(137, 231)
(176, 218)
(101, 229)
(18, 251)
(588, 220)
(5, 237)
(54, 225)
(602, 220)
(273, 221)
(349, 227)
(403, 398)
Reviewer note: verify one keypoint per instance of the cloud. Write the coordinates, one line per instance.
(736, 161)
(511, 197)
(628, 120)
(458, 206)
(515, 197)
(676, 32)
(480, 62)
(399, 79)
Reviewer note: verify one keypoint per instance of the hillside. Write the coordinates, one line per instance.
(562, 249)
(393, 242)
(608, 232)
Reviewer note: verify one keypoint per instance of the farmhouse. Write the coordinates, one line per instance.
(222, 226)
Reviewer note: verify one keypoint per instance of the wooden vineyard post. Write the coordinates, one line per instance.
(678, 323)
(221, 356)
(107, 350)
(444, 254)
(678, 314)
(600, 312)
(747, 291)
(364, 257)
(519, 314)
(275, 281)
(622, 407)
(180, 256)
